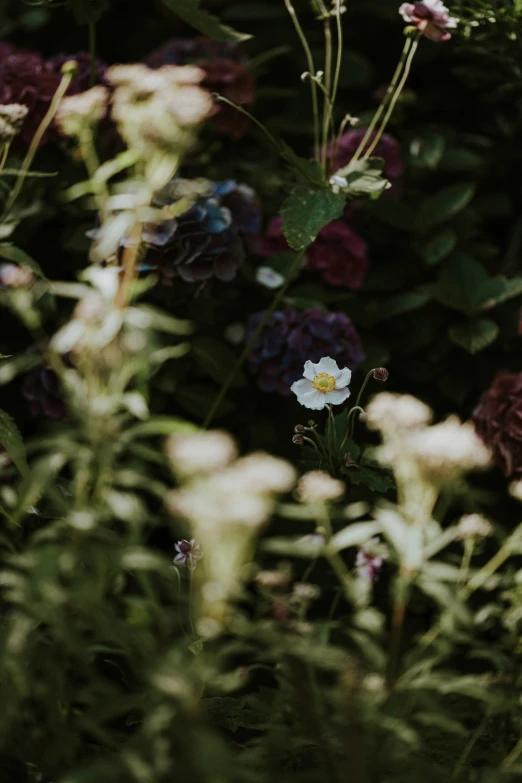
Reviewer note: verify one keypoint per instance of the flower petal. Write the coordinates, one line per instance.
(329, 366)
(301, 387)
(344, 378)
(337, 396)
(313, 399)
(309, 371)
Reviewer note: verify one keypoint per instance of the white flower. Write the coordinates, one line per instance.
(260, 472)
(268, 277)
(391, 412)
(338, 182)
(200, 452)
(474, 525)
(448, 448)
(189, 552)
(316, 486)
(323, 384)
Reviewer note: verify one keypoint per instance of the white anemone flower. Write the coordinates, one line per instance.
(323, 384)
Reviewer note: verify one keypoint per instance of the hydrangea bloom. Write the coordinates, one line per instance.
(28, 79)
(386, 148)
(206, 241)
(323, 384)
(338, 253)
(225, 73)
(292, 337)
(431, 17)
(498, 419)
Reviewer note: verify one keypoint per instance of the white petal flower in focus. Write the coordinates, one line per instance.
(323, 384)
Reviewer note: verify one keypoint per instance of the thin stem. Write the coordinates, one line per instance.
(395, 97)
(385, 100)
(253, 340)
(469, 545)
(251, 117)
(338, 64)
(92, 54)
(357, 406)
(311, 68)
(129, 262)
(35, 142)
(5, 153)
(398, 617)
(513, 755)
(309, 440)
(92, 164)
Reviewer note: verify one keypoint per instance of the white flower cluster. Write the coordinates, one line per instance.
(316, 486)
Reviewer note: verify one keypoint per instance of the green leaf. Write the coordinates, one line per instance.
(376, 480)
(205, 22)
(459, 280)
(231, 714)
(12, 442)
(427, 151)
(12, 253)
(439, 246)
(498, 290)
(404, 303)
(444, 205)
(356, 534)
(393, 213)
(89, 11)
(474, 336)
(308, 169)
(217, 360)
(306, 211)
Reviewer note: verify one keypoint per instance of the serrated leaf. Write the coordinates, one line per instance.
(444, 205)
(12, 442)
(308, 169)
(12, 253)
(205, 22)
(217, 360)
(89, 11)
(308, 210)
(474, 336)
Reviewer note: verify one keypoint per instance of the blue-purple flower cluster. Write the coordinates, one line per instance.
(292, 337)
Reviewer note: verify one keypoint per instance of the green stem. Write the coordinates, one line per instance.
(251, 117)
(5, 153)
(35, 142)
(513, 755)
(92, 53)
(253, 340)
(311, 68)
(395, 97)
(385, 100)
(338, 64)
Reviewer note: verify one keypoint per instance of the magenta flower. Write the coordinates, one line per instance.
(189, 552)
(430, 17)
(369, 560)
(338, 253)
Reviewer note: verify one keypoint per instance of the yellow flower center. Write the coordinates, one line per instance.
(324, 382)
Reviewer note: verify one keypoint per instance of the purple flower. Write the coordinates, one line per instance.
(206, 241)
(369, 560)
(430, 17)
(28, 79)
(386, 148)
(338, 253)
(225, 73)
(292, 337)
(188, 553)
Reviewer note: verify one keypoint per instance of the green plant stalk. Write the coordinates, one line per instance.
(395, 96)
(351, 414)
(356, 407)
(92, 164)
(336, 562)
(385, 100)
(251, 117)
(35, 142)
(311, 68)
(398, 617)
(253, 340)
(5, 153)
(338, 64)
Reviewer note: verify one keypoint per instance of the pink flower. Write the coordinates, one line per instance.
(189, 552)
(338, 253)
(430, 17)
(369, 560)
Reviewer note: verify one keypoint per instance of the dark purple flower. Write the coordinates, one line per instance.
(430, 17)
(338, 253)
(386, 148)
(291, 337)
(42, 389)
(498, 419)
(206, 241)
(28, 79)
(225, 73)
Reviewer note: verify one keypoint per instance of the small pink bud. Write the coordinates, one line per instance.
(298, 439)
(299, 428)
(381, 374)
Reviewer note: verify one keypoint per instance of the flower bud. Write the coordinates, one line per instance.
(381, 374)
(300, 428)
(70, 67)
(298, 439)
